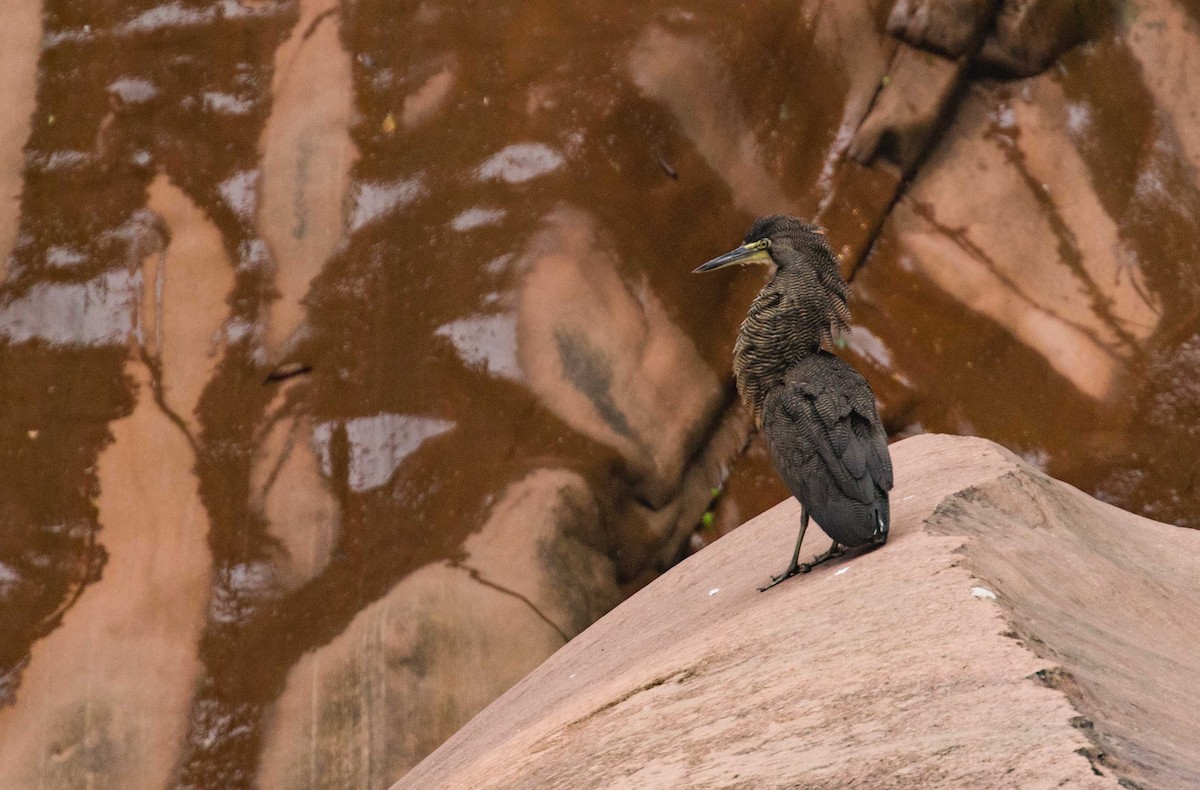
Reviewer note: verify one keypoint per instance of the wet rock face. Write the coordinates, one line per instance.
(317, 301)
(898, 128)
(1028, 36)
(1165, 421)
(604, 356)
(445, 641)
(1043, 211)
(951, 27)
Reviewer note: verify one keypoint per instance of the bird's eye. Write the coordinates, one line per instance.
(764, 243)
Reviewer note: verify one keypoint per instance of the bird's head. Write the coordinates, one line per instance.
(780, 240)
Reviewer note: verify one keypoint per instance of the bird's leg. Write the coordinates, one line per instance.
(795, 566)
(836, 550)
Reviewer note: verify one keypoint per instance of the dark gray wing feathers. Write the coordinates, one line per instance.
(833, 406)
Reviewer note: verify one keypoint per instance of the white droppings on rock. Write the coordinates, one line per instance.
(520, 162)
(983, 593)
(714, 591)
(97, 312)
(1079, 119)
(253, 255)
(133, 90)
(58, 161)
(167, 15)
(488, 341)
(1005, 118)
(498, 264)
(62, 257)
(374, 200)
(238, 591)
(8, 575)
(378, 444)
(477, 217)
(865, 343)
(240, 193)
(237, 330)
(227, 103)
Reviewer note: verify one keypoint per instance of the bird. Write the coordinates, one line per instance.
(817, 413)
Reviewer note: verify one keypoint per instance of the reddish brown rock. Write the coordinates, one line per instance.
(1030, 34)
(110, 688)
(306, 159)
(106, 695)
(604, 355)
(859, 203)
(915, 93)
(411, 668)
(678, 70)
(948, 26)
(288, 489)
(1164, 38)
(185, 288)
(1061, 285)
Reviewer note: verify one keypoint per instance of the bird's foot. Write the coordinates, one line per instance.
(834, 552)
(804, 567)
(789, 573)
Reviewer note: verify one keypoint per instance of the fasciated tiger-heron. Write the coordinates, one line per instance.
(817, 414)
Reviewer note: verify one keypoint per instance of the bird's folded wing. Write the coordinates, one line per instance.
(879, 462)
(831, 421)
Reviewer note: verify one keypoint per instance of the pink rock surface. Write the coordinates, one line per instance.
(984, 646)
(18, 81)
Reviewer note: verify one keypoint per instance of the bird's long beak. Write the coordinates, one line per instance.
(747, 253)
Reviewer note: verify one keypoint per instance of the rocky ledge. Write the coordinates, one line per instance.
(1014, 632)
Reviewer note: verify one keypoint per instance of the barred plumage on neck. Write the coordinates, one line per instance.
(800, 310)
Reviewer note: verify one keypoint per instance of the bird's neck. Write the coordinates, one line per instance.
(790, 319)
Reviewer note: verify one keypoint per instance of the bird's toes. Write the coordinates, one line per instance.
(789, 573)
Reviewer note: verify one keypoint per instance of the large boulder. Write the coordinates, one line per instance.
(983, 646)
